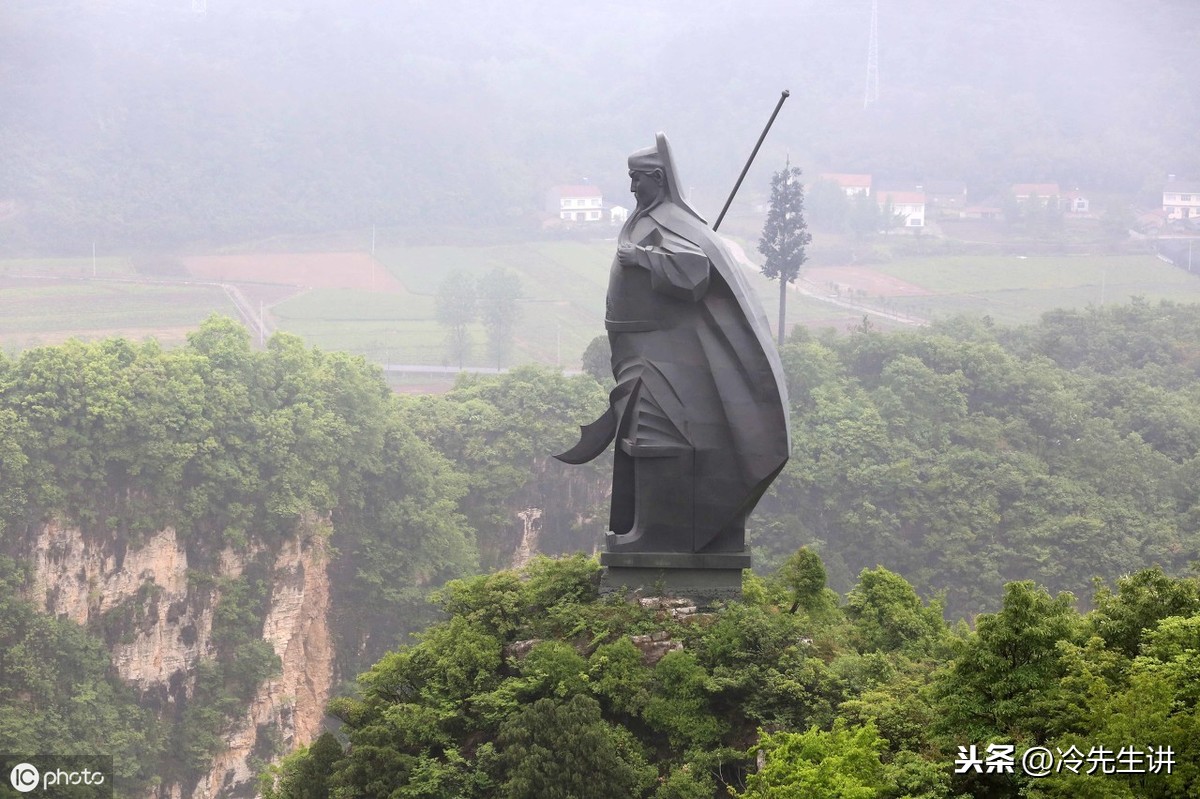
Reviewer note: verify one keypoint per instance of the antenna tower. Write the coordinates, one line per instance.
(872, 93)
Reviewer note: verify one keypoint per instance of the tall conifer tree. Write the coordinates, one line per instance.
(785, 235)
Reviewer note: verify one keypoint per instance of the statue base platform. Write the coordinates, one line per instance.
(705, 578)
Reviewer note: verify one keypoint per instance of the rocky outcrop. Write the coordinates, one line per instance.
(157, 612)
(679, 608)
(655, 646)
(531, 529)
(287, 710)
(162, 624)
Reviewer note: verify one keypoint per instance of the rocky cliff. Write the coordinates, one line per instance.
(155, 605)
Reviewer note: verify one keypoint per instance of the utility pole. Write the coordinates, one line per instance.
(871, 95)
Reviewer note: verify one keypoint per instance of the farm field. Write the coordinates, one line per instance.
(1013, 290)
(563, 285)
(383, 307)
(35, 312)
(66, 267)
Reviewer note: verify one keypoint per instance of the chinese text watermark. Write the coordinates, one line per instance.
(1042, 761)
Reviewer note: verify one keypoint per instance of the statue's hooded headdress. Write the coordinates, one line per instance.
(659, 157)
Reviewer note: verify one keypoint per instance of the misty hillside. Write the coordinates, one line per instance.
(140, 124)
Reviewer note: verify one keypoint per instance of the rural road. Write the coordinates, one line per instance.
(809, 289)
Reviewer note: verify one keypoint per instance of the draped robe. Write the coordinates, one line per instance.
(699, 412)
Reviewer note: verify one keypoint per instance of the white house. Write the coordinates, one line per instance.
(1075, 202)
(576, 203)
(617, 214)
(1181, 199)
(908, 204)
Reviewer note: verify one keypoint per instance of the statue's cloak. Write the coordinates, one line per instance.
(698, 377)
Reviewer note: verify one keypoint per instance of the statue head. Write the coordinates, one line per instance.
(654, 178)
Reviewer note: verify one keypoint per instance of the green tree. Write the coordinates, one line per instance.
(1005, 682)
(304, 774)
(457, 309)
(866, 217)
(565, 750)
(499, 291)
(1141, 601)
(888, 614)
(785, 235)
(803, 575)
(500, 432)
(840, 764)
(828, 206)
(597, 360)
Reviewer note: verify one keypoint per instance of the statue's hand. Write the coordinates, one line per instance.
(627, 255)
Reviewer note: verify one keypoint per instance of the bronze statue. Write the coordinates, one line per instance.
(699, 412)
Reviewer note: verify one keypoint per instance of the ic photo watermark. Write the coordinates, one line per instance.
(82, 776)
(1042, 761)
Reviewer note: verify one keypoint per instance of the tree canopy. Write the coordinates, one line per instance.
(534, 686)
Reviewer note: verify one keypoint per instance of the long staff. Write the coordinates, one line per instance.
(746, 168)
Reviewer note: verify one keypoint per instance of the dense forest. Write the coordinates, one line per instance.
(968, 455)
(237, 449)
(148, 125)
(936, 475)
(535, 689)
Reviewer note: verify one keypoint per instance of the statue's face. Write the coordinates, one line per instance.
(646, 186)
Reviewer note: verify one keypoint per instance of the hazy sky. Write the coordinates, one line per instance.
(328, 110)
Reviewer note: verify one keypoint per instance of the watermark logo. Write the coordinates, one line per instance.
(24, 777)
(52, 775)
(1042, 761)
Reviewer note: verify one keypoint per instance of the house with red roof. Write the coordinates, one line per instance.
(849, 183)
(1041, 193)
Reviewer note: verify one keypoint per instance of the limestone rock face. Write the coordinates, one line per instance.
(168, 623)
(291, 705)
(158, 619)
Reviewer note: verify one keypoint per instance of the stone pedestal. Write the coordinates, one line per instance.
(703, 578)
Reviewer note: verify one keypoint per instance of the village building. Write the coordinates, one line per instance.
(984, 212)
(945, 195)
(1181, 199)
(1074, 201)
(908, 204)
(849, 183)
(581, 203)
(1040, 193)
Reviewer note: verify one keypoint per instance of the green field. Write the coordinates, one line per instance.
(562, 310)
(33, 313)
(1014, 290)
(66, 267)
